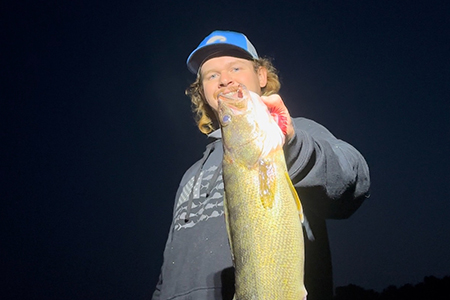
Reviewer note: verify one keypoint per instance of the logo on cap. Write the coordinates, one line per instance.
(216, 38)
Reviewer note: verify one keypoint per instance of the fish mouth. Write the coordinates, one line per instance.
(233, 96)
(233, 93)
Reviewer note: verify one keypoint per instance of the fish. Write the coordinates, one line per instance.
(263, 212)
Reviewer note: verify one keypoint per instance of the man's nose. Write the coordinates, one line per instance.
(225, 79)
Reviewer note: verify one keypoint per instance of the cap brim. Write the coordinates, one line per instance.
(197, 58)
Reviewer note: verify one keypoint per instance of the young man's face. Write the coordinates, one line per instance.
(227, 71)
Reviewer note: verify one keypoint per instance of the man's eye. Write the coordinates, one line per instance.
(212, 76)
(235, 69)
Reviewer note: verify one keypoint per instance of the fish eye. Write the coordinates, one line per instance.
(226, 119)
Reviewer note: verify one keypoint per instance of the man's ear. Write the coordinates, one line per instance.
(262, 76)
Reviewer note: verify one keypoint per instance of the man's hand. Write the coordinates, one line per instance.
(280, 113)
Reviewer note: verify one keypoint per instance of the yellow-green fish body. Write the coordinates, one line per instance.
(263, 212)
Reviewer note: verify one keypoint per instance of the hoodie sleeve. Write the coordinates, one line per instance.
(157, 292)
(331, 176)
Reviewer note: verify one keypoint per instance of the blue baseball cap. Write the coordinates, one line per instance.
(221, 43)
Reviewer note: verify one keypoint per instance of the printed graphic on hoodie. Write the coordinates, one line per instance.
(202, 207)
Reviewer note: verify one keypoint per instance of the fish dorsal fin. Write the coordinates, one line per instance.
(296, 198)
(303, 219)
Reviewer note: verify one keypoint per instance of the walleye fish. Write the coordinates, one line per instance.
(262, 209)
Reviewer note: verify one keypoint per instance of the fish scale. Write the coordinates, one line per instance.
(261, 206)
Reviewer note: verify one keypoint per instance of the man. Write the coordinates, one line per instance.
(330, 176)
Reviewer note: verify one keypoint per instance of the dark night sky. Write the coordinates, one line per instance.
(96, 132)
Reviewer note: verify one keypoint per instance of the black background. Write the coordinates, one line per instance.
(96, 132)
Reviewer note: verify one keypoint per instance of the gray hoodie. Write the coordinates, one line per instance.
(331, 178)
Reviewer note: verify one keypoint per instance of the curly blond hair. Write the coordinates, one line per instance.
(204, 115)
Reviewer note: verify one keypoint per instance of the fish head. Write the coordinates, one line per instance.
(248, 130)
(236, 114)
